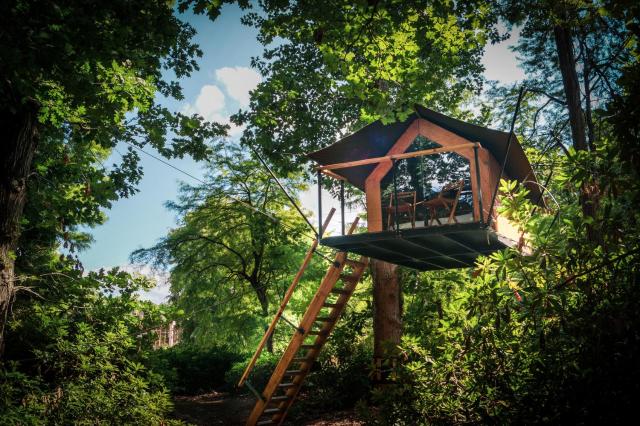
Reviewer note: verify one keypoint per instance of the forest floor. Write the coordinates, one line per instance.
(219, 408)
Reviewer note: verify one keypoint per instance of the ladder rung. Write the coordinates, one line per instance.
(265, 422)
(286, 385)
(324, 319)
(272, 411)
(348, 277)
(340, 291)
(317, 333)
(293, 372)
(280, 398)
(354, 263)
(310, 346)
(330, 305)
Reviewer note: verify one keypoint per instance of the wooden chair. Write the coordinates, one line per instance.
(406, 204)
(441, 201)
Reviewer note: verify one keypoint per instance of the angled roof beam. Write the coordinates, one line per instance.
(375, 160)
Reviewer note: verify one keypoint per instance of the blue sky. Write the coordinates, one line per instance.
(216, 91)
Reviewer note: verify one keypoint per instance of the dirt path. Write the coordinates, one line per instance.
(216, 408)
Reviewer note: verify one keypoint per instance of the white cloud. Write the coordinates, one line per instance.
(160, 292)
(211, 105)
(211, 102)
(238, 82)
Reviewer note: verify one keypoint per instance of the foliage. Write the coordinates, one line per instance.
(76, 354)
(328, 69)
(260, 374)
(547, 337)
(238, 243)
(190, 370)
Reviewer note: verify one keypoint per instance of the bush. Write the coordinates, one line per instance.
(78, 360)
(190, 370)
(260, 374)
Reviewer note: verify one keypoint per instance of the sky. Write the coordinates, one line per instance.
(220, 88)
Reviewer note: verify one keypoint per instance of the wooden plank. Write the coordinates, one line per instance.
(285, 301)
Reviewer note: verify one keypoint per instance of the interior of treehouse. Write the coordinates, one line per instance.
(431, 184)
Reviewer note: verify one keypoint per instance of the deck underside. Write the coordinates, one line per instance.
(425, 249)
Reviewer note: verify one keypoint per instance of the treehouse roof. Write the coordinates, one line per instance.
(376, 139)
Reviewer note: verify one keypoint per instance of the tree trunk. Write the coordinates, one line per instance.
(387, 319)
(567, 60)
(16, 155)
(264, 304)
(589, 191)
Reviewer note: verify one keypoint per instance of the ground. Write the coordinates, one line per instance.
(219, 408)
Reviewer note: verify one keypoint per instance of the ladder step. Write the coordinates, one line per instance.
(330, 305)
(280, 398)
(324, 319)
(354, 263)
(292, 372)
(286, 385)
(310, 346)
(340, 291)
(348, 277)
(265, 422)
(272, 411)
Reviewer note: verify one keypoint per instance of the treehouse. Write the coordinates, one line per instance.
(430, 184)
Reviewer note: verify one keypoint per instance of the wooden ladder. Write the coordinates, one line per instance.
(316, 325)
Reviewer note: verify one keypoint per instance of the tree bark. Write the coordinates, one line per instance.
(264, 304)
(19, 126)
(589, 191)
(387, 315)
(567, 62)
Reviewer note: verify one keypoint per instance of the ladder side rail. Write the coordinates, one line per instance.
(285, 301)
(328, 281)
(331, 277)
(327, 329)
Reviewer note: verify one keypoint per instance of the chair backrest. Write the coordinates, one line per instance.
(451, 186)
(403, 197)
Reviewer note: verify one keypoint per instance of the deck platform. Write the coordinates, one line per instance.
(425, 249)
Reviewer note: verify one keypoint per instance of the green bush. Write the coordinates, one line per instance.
(259, 375)
(79, 359)
(190, 370)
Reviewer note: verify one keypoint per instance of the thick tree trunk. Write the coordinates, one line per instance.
(567, 60)
(589, 191)
(387, 315)
(16, 155)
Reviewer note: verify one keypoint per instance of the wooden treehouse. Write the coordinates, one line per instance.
(430, 184)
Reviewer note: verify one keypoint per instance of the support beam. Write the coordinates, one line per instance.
(402, 156)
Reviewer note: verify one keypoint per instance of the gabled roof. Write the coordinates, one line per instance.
(376, 139)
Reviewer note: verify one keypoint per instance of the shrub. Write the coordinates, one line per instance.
(259, 375)
(190, 370)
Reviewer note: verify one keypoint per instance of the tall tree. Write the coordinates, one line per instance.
(589, 44)
(237, 241)
(342, 65)
(76, 78)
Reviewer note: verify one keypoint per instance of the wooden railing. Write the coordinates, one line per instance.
(285, 301)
